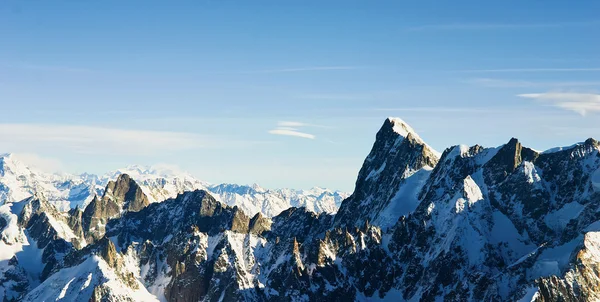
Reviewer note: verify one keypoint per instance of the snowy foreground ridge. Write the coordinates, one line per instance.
(470, 224)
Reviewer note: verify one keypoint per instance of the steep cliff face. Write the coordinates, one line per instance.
(120, 196)
(385, 189)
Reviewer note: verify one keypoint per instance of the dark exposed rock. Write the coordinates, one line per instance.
(3, 224)
(506, 161)
(122, 195)
(259, 224)
(300, 224)
(159, 220)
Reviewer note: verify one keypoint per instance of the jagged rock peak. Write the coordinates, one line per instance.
(399, 126)
(259, 224)
(127, 192)
(121, 196)
(509, 157)
(592, 142)
(398, 153)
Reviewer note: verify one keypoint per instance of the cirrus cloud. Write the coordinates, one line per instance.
(290, 128)
(102, 140)
(291, 132)
(582, 103)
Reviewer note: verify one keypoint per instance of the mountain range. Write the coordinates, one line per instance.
(66, 191)
(506, 223)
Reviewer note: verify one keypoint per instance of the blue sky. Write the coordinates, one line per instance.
(288, 93)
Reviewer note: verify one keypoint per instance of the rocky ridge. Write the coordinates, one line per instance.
(471, 224)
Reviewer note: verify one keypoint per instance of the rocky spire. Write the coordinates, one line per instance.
(296, 256)
(122, 195)
(127, 193)
(259, 224)
(508, 158)
(398, 151)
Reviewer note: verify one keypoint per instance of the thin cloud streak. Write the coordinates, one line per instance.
(440, 109)
(287, 132)
(529, 70)
(100, 140)
(499, 26)
(291, 128)
(501, 83)
(304, 69)
(298, 124)
(582, 103)
(333, 97)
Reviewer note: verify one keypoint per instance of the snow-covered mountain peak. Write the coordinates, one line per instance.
(140, 172)
(397, 154)
(402, 128)
(258, 188)
(318, 191)
(158, 183)
(8, 163)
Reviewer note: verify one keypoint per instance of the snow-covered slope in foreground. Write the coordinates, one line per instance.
(91, 280)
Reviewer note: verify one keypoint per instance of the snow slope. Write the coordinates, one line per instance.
(77, 284)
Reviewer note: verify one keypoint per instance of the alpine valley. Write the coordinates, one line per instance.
(507, 223)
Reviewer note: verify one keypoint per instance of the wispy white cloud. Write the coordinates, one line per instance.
(102, 140)
(298, 124)
(290, 124)
(333, 96)
(280, 131)
(305, 69)
(291, 128)
(528, 70)
(439, 109)
(499, 26)
(491, 82)
(582, 103)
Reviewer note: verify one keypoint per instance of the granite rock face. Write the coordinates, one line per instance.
(121, 196)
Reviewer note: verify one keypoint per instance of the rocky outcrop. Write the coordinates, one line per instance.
(122, 195)
(581, 282)
(159, 220)
(259, 224)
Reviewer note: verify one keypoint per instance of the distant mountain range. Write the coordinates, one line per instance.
(19, 181)
(506, 223)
